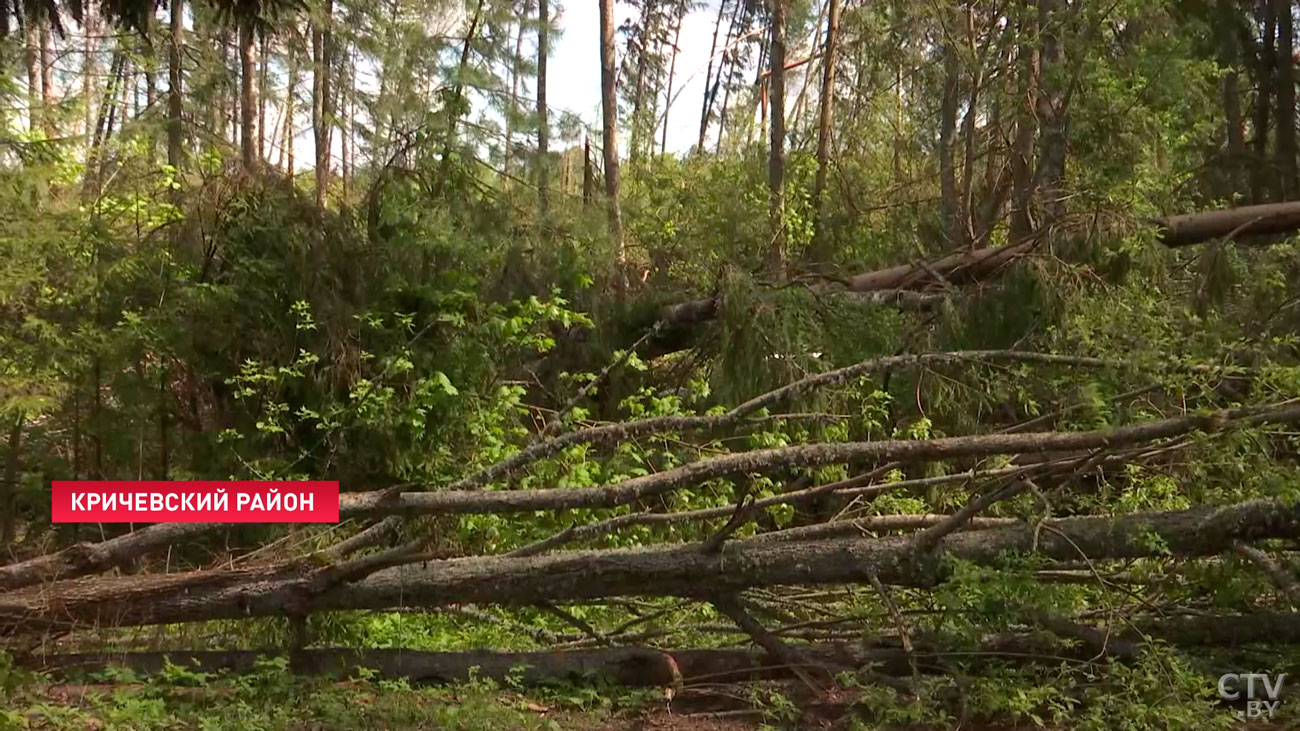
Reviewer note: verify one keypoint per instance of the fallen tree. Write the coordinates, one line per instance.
(463, 495)
(919, 283)
(685, 570)
(1229, 223)
(53, 595)
(655, 667)
(89, 558)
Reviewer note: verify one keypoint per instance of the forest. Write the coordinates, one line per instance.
(864, 365)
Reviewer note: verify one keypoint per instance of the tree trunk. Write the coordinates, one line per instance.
(264, 87)
(1234, 127)
(543, 118)
(164, 425)
(710, 85)
(948, 205)
(9, 483)
(103, 124)
(761, 90)
(658, 667)
(967, 215)
(508, 153)
(322, 115)
(678, 570)
(825, 125)
(32, 55)
(588, 176)
(458, 93)
(668, 94)
(47, 82)
(290, 109)
(249, 135)
(609, 129)
(726, 66)
(175, 87)
(1051, 108)
(1286, 143)
(1264, 219)
(89, 69)
(638, 91)
(1261, 181)
(346, 100)
(776, 157)
(1022, 152)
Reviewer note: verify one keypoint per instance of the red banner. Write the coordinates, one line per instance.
(156, 501)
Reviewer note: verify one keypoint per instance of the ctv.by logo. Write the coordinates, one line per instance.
(1258, 705)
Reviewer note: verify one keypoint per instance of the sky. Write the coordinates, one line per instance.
(574, 68)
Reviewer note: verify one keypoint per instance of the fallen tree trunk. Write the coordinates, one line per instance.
(641, 666)
(805, 455)
(914, 284)
(462, 496)
(87, 558)
(684, 570)
(904, 285)
(1234, 223)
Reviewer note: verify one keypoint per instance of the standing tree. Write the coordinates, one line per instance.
(175, 84)
(249, 136)
(776, 157)
(825, 125)
(322, 113)
(1286, 143)
(672, 73)
(32, 56)
(609, 125)
(543, 119)
(1022, 152)
(948, 206)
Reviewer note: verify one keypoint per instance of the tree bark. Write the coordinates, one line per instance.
(1051, 108)
(175, 86)
(668, 94)
(638, 91)
(1246, 221)
(588, 176)
(89, 69)
(680, 570)
(710, 85)
(655, 667)
(9, 482)
(776, 156)
(32, 55)
(467, 497)
(948, 204)
(1234, 126)
(322, 113)
(1286, 142)
(543, 116)
(609, 128)
(290, 105)
(47, 82)
(248, 127)
(1022, 152)
(1266, 72)
(825, 125)
(511, 111)
(263, 63)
